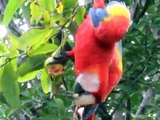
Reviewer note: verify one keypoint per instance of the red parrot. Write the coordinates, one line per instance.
(98, 64)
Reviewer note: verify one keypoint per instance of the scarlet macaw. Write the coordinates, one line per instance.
(98, 63)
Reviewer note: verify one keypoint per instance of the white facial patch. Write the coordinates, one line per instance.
(89, 82)
(85, 100)
(80, 111)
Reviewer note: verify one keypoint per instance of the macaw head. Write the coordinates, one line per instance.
(117, 9)
(111, 22)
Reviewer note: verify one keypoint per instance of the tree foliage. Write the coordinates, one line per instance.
(27, 91)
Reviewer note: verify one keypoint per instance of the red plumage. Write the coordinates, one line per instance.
(98, 55)
(95, 52)
(99, 4)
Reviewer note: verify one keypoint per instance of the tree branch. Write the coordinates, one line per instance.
(117, 112)
(134, 9)
(68, 20)
(139, 15)
(117, 115)
(146, 99)
(128, 107)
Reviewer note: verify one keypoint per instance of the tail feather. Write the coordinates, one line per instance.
(92, 117)
(89, 112)
(119, 47)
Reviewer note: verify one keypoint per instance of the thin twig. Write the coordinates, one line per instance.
(65, 84)
(68, 20)
(10, 59)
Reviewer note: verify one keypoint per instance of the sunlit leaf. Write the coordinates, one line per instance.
(10, 9)
(3, 48)
(31, 64)
(46, 16)
(69, 4)
(45, 82)
(60, 7)
(36, 10)
(80, 15)
(44, 48)
(58, 18)
(10, 88)
(12, 53)
(48, 4)
(35, 37)
(1, 71)
(28, 76)
(14, 40)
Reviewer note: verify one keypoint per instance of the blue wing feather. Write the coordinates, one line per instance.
(97, 15)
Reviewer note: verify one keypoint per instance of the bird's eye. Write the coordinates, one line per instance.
(107, 19)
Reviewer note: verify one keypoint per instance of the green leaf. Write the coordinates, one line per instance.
(1, 18)
(69, 4)
(128, 87)
(14, 40)
(59, 7)
(36, 10)
(10, 111)
(26, 11)
(11, 8)
(35, 37)
(48, 4)
(10, 88)
(136, 98)
(44, 48)
(46, 16)
(58, 18)
(12, 52)
(59, 106)
(45, 81)
(1, 71)
(31, 64)
(80, 15)
(3, 48)
(46, 117)
(28, 76)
